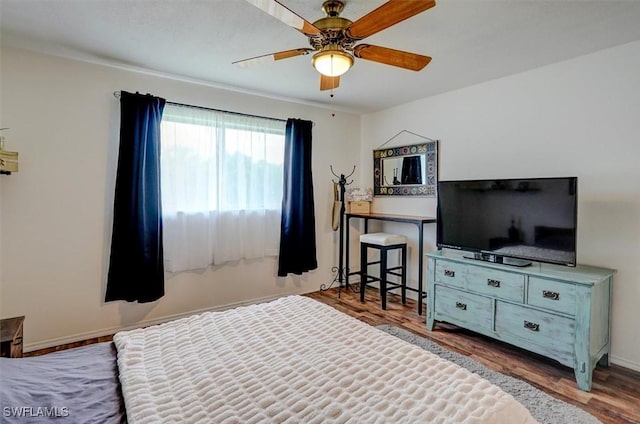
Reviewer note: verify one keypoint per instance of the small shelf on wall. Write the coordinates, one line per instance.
(8, 160)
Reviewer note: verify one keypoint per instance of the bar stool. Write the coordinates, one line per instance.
(383, 242)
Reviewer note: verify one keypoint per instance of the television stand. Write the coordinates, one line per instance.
(498, 259)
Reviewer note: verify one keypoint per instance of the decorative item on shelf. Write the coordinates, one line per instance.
(338, 223)
(359, 200)
(8, 160)
(359, 194)
(359, 207)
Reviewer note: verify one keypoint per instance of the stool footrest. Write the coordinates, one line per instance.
(390, 286)
(424, 293)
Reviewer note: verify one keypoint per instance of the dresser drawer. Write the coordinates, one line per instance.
(467, 309)
(451, 273)
(541, 332)
(552, 294)
(495, 283)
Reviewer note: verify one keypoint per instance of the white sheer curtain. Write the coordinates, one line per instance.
(221, 176)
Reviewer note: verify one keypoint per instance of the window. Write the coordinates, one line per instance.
(221, 176)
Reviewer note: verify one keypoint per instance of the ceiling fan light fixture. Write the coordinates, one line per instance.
(332, 62)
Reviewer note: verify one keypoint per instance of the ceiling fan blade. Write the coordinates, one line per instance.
(271, 57)
(388, 14)
(283, 13)
(328, 83)
(406, 60)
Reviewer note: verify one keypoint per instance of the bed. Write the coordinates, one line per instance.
(289, 361)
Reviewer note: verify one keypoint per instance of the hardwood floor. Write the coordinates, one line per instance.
(614, 398)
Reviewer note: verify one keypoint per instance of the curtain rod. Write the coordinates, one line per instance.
(116, 94)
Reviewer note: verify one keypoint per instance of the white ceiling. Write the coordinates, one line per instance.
(471, 41)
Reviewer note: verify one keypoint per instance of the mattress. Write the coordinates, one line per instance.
(296, 360)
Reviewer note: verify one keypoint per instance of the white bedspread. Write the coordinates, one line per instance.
(296, 360)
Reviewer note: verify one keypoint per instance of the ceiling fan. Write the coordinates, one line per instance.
(333, 38)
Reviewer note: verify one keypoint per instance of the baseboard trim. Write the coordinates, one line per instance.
(112, 330)
(625, 363)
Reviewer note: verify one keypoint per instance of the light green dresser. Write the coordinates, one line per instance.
(556, 311)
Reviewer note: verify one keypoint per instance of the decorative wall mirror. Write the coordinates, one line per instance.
(406, 170)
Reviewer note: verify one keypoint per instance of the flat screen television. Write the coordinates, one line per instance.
(510, 221)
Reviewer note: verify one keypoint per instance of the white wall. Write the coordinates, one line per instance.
(2, 314)
(2, 177)
(579, 117)
(56, 213)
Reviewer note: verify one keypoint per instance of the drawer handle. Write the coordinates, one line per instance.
(531, 326)
(461, 305)
(550, 295)
(493, 283)
(17, 340)
(449, 273)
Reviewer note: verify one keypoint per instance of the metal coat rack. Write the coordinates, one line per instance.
(339, 271)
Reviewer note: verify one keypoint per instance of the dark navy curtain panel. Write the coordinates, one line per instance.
(136, 268)
(411, 170)
(298, 223)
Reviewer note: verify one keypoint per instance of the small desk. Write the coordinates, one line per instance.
(418, 221)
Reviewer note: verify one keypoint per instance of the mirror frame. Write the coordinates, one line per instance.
(430, 152)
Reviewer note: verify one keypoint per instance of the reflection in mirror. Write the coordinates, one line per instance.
(406, 170)
(403, 170)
